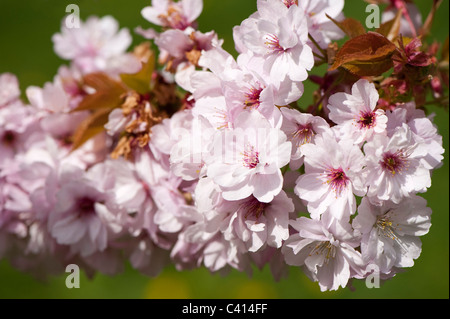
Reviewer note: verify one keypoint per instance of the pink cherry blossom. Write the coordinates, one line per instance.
(9, 89)
(424, 131)
(189, 156)
(258, 223)
(328, 258)
(320, 27)
(19, 131)
(394, 166)
(280, 35)
(332, 176)
(203, 241)
(56, 100)
(356, 113)
(247, 159)
(98, 45)
(239, 85)
(390, 232)
(171, 14)
(230, 155)
(82, 217)
(301, 129)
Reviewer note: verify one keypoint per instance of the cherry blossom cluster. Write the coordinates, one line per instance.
(195, 157)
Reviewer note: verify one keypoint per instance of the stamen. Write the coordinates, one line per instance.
(366, 120)
(273, 43)
(337, 179)
(304, 134)
(222, 119)
(174, 18)
(252, 98)
(386, 228)
(324, 248)
(253, 207)
(289, 3)
(251, 157)
(394, 162)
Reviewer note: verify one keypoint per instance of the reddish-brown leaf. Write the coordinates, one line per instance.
(141, 81)
(107, 93)
(90, 127)
(101, 82)
(351, 27)
(369, 54)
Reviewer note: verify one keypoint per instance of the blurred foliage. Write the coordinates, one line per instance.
(26, 50)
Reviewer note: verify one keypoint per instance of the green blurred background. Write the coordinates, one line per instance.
(26, 50)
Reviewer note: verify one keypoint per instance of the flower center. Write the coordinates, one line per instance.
(325, 248)
(252, 98)
(289, 3)
(273, 43)
(337, 180)
(251, 157)
(304, 134)
(174, 18)
(8, 137)
(85, 206)
(253, 207)
(394, 162)
(386, 228)
(366, 120)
